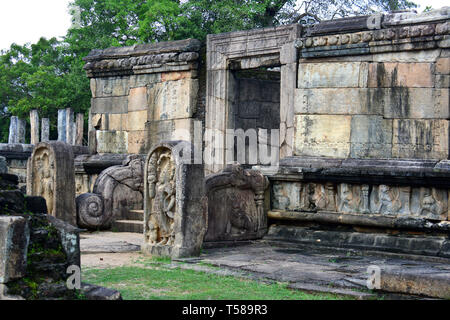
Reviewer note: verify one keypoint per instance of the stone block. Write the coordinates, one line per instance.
(443, 66)
(412, 75)
(442, 81)
(173, 99)
(136, 120)
(336, 101)
(143, 80)
(408, 56)
(112, 141)
(174, 220)
(371, 137)
(136, 141)
(323, 135)
(114, 122)
(138, 99)
(413, 103)
(14, 240)
(181, 129)
(174, 76)
(51, 175)
(286, 195)
(109, 87)
(331, 75)
(288, 53)
(110, 105)
(420, 139)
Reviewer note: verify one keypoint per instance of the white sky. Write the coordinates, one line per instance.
(23, 21)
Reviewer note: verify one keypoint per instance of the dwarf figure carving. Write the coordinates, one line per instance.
(430, 205)
(348, 201)
(388, 201)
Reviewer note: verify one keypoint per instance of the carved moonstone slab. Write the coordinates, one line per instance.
(174, 221)
(51, 175)
(236, 205)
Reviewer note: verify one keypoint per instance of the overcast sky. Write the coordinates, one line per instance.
(23, 21)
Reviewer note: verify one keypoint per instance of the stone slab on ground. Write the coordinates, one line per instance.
(339, 271)
(110, 242)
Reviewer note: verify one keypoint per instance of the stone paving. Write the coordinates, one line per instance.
(311, 269)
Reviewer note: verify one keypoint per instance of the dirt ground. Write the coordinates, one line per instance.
(109, 249)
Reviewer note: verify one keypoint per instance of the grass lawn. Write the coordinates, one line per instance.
(154, 279)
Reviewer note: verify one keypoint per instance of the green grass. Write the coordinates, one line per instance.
(155, 281)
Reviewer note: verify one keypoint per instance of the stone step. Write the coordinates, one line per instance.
(134, 226)
(433, 246)
(137, 215)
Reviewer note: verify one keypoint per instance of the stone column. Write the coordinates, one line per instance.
(69, 125)
(62, 125)
(13, 130)
(45, 129)
(34, 122)
(80, 129)
(21, 130)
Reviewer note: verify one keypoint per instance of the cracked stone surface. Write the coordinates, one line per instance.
(339, 271)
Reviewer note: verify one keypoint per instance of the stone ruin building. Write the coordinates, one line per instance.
(353, 114)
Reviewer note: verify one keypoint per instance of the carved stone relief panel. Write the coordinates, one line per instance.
(174, 219)
(236, 204)
(428, 203)
(162, 193)
(51, 175)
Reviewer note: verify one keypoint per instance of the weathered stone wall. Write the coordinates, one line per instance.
(141, 95)
(374, 93)
(365, 134)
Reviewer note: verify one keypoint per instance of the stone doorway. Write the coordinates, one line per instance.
(255, 112)
(240, 60)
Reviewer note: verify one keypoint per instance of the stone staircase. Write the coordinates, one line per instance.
(134, 222)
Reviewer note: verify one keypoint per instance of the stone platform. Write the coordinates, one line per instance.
(340, 271)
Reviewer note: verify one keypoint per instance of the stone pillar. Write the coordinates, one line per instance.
(62, 125)
(45, 129)
(80, 129)
(74, 132)
(51, 175)
(174, 221)
(34, 122)
(13, 130)
(69, 125)
(21, 130)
